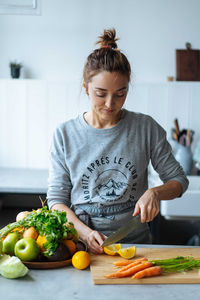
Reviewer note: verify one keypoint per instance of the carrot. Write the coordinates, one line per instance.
(134, 263)
(130, 271)
(126, 262)
(148, 272)
(122, 263)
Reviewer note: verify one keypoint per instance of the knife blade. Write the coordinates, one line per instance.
(123, 231)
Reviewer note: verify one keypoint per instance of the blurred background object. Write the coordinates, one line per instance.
(196, 157)
(182, 146)
(187, 64)
(15, 69)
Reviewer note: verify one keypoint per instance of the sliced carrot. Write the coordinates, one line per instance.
(130, 271)
(134, 263)
(148, 272)
(126, 262)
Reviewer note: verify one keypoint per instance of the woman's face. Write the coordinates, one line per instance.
(107, 92)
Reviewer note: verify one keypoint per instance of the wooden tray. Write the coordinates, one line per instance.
(103, 264)
(47, 265)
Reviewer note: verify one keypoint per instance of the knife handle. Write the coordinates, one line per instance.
(177, 127)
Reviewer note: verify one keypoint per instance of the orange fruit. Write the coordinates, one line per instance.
(31, 233)
(18, 229)
(75, 236)
(70, 245)
(81, 260)
(41, 240)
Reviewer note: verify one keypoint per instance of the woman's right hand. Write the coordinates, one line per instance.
(94, 241)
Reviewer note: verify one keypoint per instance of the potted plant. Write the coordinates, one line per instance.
(15, 69)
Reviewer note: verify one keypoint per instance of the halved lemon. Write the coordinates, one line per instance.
(112, 249)
(127, 252)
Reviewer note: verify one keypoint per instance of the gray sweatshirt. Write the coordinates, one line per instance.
(105, 171)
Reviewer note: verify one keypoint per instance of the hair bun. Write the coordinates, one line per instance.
(108, 39)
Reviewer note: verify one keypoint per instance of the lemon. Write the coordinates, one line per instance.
(127, 252)
(81, 260)
(112, 249)
(41, 240)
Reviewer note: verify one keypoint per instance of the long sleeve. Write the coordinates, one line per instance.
(163, 160)
(59, 183)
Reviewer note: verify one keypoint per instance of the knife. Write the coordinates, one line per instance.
(123, 231)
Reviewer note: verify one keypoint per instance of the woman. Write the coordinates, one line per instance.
(99, 161)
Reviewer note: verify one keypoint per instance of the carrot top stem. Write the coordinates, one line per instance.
(179, 263)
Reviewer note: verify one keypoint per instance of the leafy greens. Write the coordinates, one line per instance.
(48, 223)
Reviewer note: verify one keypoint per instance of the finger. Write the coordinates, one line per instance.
(136, 210)
(149, 213)
(98, 249)
(143, 215)
(94, 247)
(153, 212)
(95, 240)
(104, 238)
(98, 237)
(93, 250)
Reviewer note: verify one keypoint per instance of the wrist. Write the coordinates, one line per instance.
(154, 193)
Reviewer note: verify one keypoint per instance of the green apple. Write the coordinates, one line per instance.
(9, 243)
(1, 246)
(27, 249)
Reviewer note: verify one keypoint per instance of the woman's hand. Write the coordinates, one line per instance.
(94, 241)
(148, 206)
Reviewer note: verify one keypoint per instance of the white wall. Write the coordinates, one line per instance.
(56, 44)
(53, 48)
(31, 109)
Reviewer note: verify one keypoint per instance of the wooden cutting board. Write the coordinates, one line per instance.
(103, 264)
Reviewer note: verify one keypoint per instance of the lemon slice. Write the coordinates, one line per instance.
(127, 252)
(112, 249)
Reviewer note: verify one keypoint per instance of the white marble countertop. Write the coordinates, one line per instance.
(69, 283)
(13, 180)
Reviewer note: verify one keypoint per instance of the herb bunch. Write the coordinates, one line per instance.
(48, 223)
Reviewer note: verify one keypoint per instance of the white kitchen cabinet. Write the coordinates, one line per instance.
(186, 207)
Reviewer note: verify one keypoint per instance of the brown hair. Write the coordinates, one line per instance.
(107, 58)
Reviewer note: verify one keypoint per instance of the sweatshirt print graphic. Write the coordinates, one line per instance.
(113, 179)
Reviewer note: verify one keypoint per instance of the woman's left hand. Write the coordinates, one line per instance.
(148, 206)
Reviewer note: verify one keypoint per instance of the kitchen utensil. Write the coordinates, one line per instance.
(187, 64)
(123, 231)
(103, 264)
(177, 127)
